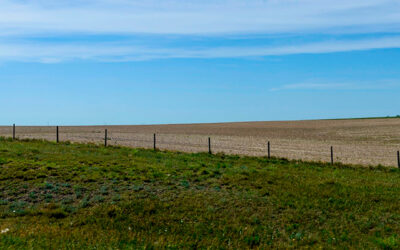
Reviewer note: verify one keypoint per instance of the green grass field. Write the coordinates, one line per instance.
(87, 196)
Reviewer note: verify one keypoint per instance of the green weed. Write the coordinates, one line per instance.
(71, 195)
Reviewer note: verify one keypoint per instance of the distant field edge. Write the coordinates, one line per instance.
(206, 123)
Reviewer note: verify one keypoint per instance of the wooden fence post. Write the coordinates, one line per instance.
(331, 155)
(154, 142)
(105, 138)
(13, 131)
(398, 159)
(57, 137)
(209, 145)
(269, 150)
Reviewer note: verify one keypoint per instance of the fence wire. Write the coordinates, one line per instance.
(199, 143)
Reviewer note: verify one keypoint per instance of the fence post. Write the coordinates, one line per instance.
(57, 137)
(105, 138)
(331, 155)
(13, 131)
(209, 145)
(269, 150)
(398, 159)
(154, 142)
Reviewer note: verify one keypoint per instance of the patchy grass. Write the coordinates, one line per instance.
(87, 196)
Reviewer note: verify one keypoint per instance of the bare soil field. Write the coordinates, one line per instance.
(355, 141)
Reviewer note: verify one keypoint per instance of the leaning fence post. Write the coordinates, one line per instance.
(209, 145)
(105, 138)
(398, 159)
(57, 137)
(154, 141)
(269, 150)
(13, 131)
(331, 155)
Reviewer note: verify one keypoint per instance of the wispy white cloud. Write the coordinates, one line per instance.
(123, 51)
(197, 17)
(312, 86)
(21, 22)
(382, 84)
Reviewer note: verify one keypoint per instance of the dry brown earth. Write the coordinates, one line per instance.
(356, 141)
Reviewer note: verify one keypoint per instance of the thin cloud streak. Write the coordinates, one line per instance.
(97, 51)
(313, 86)
(379, 85)
(197, 17)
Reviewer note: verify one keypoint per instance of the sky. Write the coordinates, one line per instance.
(86, 62)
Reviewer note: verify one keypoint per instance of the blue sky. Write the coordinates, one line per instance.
(173, 61)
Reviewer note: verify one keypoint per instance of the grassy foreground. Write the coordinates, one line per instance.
(87, 196)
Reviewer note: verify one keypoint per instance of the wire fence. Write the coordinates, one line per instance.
(325, 151)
